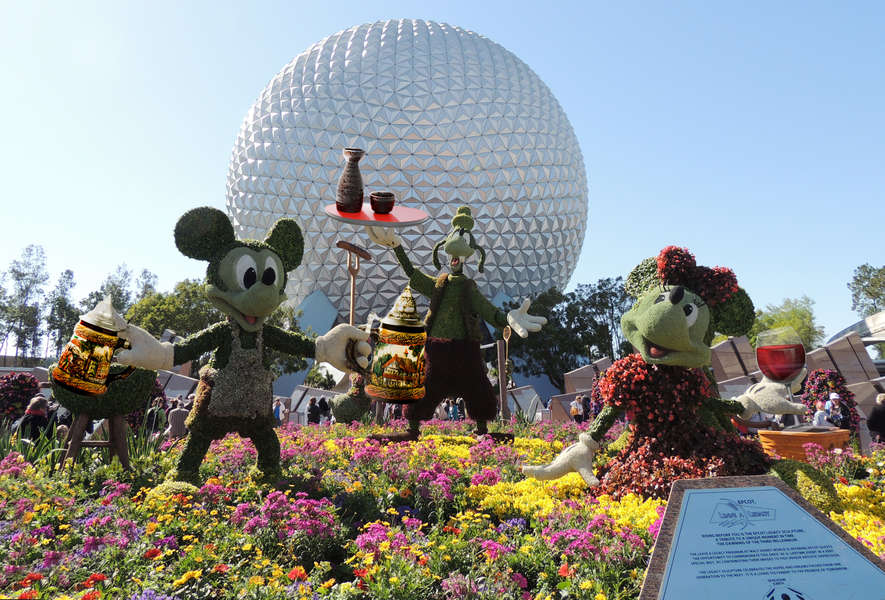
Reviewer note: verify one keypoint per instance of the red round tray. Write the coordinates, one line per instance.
(400, 216)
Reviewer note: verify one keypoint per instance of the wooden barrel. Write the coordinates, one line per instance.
(788, 444)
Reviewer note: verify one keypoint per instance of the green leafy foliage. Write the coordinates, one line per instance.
(63, 314)
(185, 310)
(582, 326)
(867, 287)
(318, 378)
(118, 286)
(795, 313)
(123, 396)
(24, 311)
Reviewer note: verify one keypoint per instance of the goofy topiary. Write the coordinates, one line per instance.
(454, 364)
(246, 281)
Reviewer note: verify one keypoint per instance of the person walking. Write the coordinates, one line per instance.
(35, 419)
(313, 411)
(576, 410)
(176, 418)
(278, 411)
(876, 420)
(325, 410)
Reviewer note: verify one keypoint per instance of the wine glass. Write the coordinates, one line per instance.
(780, 355)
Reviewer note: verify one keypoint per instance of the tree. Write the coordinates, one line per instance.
(582, 326)
(798, 314)
(867, 289)
(145, 284)
(63, 315)
(318, 378)
(598, 309)
(28, 276)
(116, 285)
(185, 310)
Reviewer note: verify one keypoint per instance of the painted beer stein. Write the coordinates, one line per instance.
(397, 371)
(84, 364)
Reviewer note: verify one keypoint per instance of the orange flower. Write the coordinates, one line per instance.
(297, 573)
(565, 570)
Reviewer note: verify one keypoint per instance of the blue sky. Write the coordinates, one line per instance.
(752, 133)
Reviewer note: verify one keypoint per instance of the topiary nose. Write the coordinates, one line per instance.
(676, 294)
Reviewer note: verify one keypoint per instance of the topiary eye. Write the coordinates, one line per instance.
(272, 268)
(247, 272)
(691, 313)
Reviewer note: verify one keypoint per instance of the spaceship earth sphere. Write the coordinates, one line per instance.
(447, 117)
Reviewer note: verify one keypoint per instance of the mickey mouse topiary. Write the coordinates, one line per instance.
(246, 281)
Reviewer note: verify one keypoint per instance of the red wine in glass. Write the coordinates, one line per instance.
(781, 362)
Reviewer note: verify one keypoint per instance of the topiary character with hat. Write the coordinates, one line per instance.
(454, 364)
(679, 428)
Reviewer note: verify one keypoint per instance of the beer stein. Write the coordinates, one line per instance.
(84, 364)
(397, 371)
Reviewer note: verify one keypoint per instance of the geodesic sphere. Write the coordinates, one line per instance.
(446, 117)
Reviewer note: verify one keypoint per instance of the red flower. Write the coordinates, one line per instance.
(28, 594)
(93, 579)
(565, 571)
(152, 553)
(221, 568)
(360, 572)
(30, 578)
(93, 595)
(297, 573)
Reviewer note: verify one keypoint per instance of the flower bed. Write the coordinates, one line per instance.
(445, 517)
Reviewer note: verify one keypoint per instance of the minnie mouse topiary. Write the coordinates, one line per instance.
(679, 428)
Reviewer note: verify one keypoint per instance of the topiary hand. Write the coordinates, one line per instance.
(522, 322)
(333, 348)
(577, 457)
(147, 352)
(384, 236)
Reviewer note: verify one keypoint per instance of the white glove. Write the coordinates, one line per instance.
(333, 348)
(147, 352)
(384, 236)
(522, 322)
(576, 458)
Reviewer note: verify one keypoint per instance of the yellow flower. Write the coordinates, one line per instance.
(328, 583)
(29, 516)
(256, 580)
(187, 577)
(150, 527)
(394, 580)
(586, 584)
(246, 547)
(601, 596)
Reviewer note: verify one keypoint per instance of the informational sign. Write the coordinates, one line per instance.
(759, 540)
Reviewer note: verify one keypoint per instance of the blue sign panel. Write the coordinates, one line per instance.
(756, 543)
